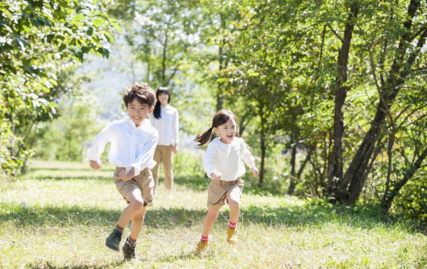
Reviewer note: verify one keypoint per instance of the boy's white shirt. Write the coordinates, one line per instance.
(131, 146)
(167, 125)
(227, 158)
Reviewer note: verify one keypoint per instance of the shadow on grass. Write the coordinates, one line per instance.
(193, 182)
(311, 213)
(77, 177)
(182, 256)
(49, 265)
(35, 169)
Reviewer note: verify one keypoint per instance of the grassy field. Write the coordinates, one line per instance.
(58, 215)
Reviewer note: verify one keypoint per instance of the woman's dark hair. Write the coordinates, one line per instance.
(160, 90)
(220, 118)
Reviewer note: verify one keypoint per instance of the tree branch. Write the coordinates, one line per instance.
(335, 33)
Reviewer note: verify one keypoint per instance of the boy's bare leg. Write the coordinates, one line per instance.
(136, 203)
(137, 223)
(210, 220)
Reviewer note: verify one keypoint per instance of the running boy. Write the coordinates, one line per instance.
(133, 142)
(223, 164)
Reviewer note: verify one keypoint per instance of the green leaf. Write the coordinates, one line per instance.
(77, 20)
(23, 43)
(98, 22)
(117, 27)
(90, 31)
(107, 35)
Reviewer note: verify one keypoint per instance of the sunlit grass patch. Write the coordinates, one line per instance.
(51, 218)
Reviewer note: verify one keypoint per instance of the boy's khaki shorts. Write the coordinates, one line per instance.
(144, 181)
(220, 190)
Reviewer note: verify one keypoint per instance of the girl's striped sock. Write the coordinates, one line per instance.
(205, 238)
(232, 225)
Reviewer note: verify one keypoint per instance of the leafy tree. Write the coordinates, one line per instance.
(348, 62)
(391, 69)
(39, 40)
(65, 137)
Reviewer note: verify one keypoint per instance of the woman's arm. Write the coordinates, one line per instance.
(175, 131)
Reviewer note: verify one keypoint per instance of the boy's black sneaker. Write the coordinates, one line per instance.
(129, 251)
(113, 240)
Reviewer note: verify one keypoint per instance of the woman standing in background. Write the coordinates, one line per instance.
(165, 119)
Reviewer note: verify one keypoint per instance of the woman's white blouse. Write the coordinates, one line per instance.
(167, 125)
(131, 146)
(227, 158)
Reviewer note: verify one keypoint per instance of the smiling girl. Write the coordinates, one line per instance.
(223, 165)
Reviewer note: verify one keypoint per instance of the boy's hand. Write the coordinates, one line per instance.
(215, 175)
(255, 171)
(95, 165)
(126, 176)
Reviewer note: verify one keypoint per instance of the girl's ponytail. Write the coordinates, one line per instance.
(204, 138)
(220, 118)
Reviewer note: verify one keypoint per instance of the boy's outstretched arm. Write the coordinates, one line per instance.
(95, 164)
(98, 146)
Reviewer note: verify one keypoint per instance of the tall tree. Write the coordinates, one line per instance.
(403, 60)
(341, 89)
(39, 40)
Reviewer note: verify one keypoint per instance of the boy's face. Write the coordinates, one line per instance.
(227, 131)
(138, 112)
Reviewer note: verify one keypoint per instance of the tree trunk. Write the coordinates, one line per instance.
(357, 171)
(356, 174)
(386, 203)
(293, 179)
(219, 97)
(263, 149)
(390, 145)
(164, 58)
(340, 96)
(302, 167)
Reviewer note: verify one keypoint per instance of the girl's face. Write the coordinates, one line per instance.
(226, 131)
(163, 99)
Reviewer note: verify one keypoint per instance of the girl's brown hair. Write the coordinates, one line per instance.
(220, 118)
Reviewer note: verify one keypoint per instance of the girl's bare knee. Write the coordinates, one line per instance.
(233, 203)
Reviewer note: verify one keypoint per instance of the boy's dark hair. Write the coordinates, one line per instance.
(156, 112)
(220, 118)
(142, 92)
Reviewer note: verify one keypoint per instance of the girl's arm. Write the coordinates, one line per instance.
(144, 159)
(247, 155)
(209, 159)
(248, 158)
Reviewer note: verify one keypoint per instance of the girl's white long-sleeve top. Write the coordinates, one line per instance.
(167, 125)
(227, 158)
(131, 146)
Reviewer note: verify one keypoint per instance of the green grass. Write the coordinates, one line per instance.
(58, 215)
